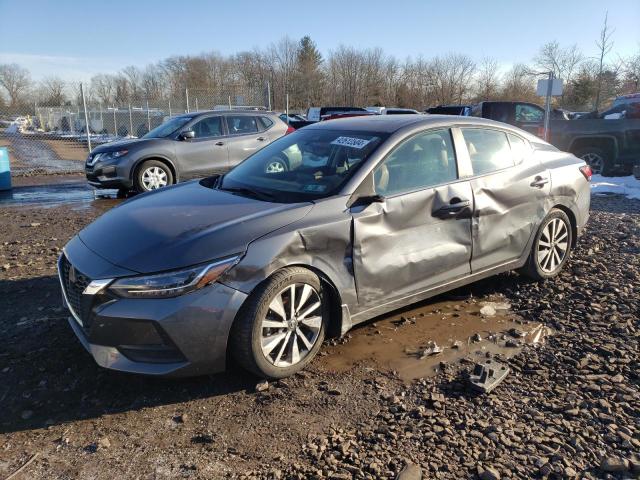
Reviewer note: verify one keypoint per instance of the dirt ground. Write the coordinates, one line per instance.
(375, 404)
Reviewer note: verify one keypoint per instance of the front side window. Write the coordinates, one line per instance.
(424, 160)
(208, 127)
(528, 113)
(241, 124)
(488, 149)
(305, 165)
(169, 127)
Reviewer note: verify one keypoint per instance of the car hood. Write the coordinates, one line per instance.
(184, 225)
(114, 146)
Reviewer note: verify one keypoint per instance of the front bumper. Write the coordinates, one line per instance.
(182, 336)
(108, 176)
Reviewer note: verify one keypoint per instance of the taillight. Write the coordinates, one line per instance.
(290, 129)
(586, 171)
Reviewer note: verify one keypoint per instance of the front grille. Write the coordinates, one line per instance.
(73, 284)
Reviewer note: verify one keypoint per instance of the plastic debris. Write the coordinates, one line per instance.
(488, 375)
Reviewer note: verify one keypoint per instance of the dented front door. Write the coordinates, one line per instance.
(411, 242)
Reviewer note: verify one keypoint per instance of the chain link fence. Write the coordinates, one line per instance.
(44, 140)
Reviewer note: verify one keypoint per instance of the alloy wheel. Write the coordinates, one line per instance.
(553, 245)
(292, 325)
(595, 161)
(153, 178)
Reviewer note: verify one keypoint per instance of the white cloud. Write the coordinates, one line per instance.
(65, 67)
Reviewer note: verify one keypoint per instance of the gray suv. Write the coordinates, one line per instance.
(184, 147)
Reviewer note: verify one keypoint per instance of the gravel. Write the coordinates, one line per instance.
(570, 408)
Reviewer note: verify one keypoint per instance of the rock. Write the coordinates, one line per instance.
(411, 471)
(488, 311)
(104, 442)
(34, 224)
(614, 464)
(262, 386)
(432, 349)
(488, 473)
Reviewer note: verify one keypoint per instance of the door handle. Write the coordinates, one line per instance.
(539, 182)
(261, 139)
(219, 144)
(456, 205)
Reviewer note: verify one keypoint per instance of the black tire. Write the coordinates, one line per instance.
(282, 163)
(533, 268)
(246, 334)
(598, 159)
(138, 181)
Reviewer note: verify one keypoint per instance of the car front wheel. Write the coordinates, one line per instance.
(152, 175)
(282, 325)
(551, 247)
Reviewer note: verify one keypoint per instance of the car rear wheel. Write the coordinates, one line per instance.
(551, 247)
(152, 175)
(282, 324)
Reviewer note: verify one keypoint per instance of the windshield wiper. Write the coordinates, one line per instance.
(248, 192)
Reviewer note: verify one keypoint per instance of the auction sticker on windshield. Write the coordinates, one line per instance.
(352, 142)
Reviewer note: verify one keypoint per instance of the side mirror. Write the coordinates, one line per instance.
(367, 200)
(187, 135)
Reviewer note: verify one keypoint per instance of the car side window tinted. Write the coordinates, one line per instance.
(528, 113)
(208, 127)
(239, 124)
(488, 149)
(424, 160)
(266, 122)
(519, 148)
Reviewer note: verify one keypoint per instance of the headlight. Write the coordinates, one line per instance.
(106, 156)
(174, 283)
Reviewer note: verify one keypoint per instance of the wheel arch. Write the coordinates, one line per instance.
(572, 221)
(607, 142)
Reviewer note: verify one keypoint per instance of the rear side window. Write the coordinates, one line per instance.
(488, 149)
(264, 123)
(528, 113)
(424, 160)
(240, 124)
(519, 148)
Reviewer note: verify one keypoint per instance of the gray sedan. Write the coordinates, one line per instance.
(370, 214)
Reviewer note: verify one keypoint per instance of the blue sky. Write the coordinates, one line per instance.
(74, 39)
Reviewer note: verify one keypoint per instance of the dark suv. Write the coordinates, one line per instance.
(184, 147)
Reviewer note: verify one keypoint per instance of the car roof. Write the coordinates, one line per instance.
(234, 112)
(393, 123)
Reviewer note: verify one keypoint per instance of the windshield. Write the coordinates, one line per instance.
(305, 165)
(170, 126)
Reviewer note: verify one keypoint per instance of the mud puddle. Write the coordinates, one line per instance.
(77, 195)
(418, 342)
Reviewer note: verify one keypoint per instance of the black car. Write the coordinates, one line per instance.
(186, 146)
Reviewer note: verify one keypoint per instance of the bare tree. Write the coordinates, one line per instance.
(104, 88)
(632, 73)
(562, 61)
(605, 45)
(16, 81)
(487, 80)
(53, 91)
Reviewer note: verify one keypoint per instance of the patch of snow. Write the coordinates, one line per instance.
(628, 186)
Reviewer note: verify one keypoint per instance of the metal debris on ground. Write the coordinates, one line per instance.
(488, 375)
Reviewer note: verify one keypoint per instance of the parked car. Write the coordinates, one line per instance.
(464, 110)
(609, 146)
(315, 114)
(392, 110)
(373, 214)
(186, 146)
